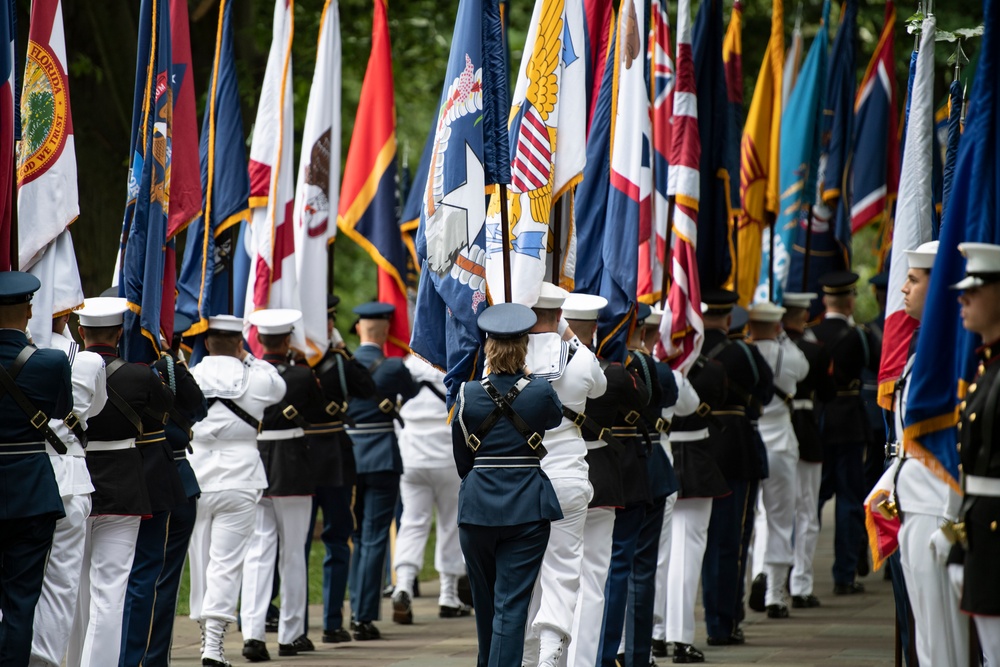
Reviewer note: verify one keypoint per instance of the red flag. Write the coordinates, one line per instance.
(185, 169)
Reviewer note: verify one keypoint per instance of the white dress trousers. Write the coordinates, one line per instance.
(598, 529)
(61, 587)
(109, 548)
(223, 526)
(687, 550)
(422, 491)
(284, 520)
(988, 629)
(807, 480)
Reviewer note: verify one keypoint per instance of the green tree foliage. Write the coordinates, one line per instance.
(101, 43)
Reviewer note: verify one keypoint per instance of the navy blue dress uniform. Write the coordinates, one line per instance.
(29, 496)
(845, 428)
(342, 378)
(505, 503)
(189, 408)
(379, 466)
(737, 447)
(697, 470)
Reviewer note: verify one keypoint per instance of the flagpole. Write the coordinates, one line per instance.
(233, 242)
(665, 278)
(556, 241)
(505, 242)
(330, 257)
(805, 263)
(770, 256)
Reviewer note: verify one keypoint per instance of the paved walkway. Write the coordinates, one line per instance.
(855, 631)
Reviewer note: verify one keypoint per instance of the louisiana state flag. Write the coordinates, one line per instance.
(143, 250)
(368, 194)
(929, 428)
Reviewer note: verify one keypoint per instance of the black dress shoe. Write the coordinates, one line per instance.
(271, 618)
(212, 662)
(777, 611)
(287, 650)
(805, 601)
(388, 591)
(715, 641)
(757, 590)
(402, 610)
(461, 611)
(255, 650)
(686, 654)
(659, 648)
(366, 631)
(464, 589)
(303, 644)
(848, 589)
(337, 636)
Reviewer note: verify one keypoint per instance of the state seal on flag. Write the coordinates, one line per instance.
(44, 113)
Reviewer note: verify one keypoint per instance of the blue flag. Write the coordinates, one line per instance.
(204, 285)
(799, 161)
(715, 260)
(144, 230)
(972, 215)
(954, 134)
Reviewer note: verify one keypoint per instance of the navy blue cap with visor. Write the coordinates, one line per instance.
(374, 310)
(506, 320)
(17, 287)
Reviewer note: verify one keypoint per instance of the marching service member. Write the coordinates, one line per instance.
(816, 386)
(227, 463)
(137, 404)
(506, 502)
(789, 366)
(283, 513)
(376, 453)
(623, 392)
(57, 604)
(429, 484)
(576, 376)
(342, 378)
(36, 384)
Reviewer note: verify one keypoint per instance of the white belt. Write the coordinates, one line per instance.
(110, 445)
(595, 444)
(506, 462)
(282, 434)
(802, 404)
(982, 486)
(689, 436)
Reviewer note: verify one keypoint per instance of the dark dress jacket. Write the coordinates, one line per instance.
(844, 419)
(735, 443)
(980, 456)
(189, 408)
(287, 461)
(502, 482)
(817, 387)
(27, 484)
(342, 378)
(698, 472)
(121, 477)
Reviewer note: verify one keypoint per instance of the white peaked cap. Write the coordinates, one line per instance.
(798, 299)
(766, 312)
(225, 323)
(982, 265)
(103, 311)
(655, 315)
(583, 306)
(274, 321)
(551, 297)
(923, 256)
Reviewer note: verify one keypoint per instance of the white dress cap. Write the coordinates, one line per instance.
(584, 307)
(551, 297)
(655, 315)
(982, 265)
(923, 256)
(103, 311)
(766, 312)
(798, 299)
(225, 323)
(275, 321)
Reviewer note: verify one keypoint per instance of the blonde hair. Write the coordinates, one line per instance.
(505, 356)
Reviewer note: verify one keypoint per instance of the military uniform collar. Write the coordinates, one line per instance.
(989, 353)
(274, 357)
(103, 350)
(13, 334)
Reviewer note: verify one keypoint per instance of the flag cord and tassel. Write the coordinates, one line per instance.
(505, 242)
(667, 255)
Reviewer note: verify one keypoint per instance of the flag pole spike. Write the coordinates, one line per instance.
(505, 242)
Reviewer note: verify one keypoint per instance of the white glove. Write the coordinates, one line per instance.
(940, 546)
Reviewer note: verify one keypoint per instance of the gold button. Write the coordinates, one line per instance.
(972, 417)
(993, 526)
(988, 353)
(958, 447)
(972, 387)
(982, 367)
(962, 405)
(959, 426)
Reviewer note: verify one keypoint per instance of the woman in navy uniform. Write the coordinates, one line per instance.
(506, 502)
(29, 496)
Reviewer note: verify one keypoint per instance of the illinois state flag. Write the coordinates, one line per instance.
(548, 150)
(317, 190)
(272, 282)
(47, 195)
(368, 201)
